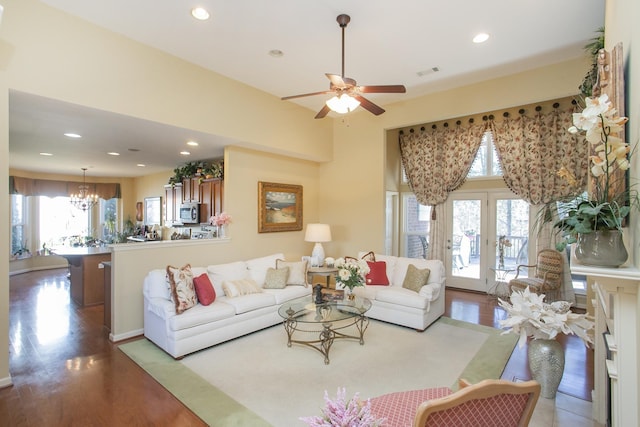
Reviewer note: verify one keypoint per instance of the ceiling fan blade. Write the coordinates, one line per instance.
(324, 92)
(322, 113)
(382, 89)
(368, 105)
(336, 80)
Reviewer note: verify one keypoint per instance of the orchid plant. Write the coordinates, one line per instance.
(529, 316)
(605, 209)
(351, 272)
(344, 413)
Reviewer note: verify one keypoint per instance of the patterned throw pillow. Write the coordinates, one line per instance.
(415, 278)
(183, 294)
(235, 288)
(276, 278)
(204, 289)
(297, 271)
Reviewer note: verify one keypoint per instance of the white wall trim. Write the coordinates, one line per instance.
(126, 335)
(6, 382)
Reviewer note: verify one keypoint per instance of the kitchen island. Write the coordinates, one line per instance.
(86, 274)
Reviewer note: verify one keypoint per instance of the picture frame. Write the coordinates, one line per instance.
(279, 207)
(153, 210)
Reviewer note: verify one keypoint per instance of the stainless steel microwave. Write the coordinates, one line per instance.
(190, 213)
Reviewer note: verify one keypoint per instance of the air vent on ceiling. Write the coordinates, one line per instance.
(428, 71)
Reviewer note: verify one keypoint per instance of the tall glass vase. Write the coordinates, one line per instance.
(546, 363)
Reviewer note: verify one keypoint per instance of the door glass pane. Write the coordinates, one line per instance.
(512, 225)
(465, 248)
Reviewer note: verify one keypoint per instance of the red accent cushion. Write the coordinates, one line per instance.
(204, 289)
(377, 274)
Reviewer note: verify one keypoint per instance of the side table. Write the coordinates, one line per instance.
(326, 272)
(501, 281)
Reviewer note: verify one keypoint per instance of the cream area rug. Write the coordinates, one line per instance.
(258, 380)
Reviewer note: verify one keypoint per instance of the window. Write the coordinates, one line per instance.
(61, 223)
(415, 229)
(486, 165)
(109, 219)
(18, 231)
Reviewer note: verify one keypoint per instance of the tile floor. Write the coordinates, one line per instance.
(563, 411)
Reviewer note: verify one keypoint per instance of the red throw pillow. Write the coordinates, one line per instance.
(204, 289)
(377, 274)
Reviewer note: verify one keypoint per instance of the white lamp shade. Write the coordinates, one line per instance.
(318, 233)
(343, 104)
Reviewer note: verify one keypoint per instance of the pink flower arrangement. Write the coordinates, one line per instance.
(340, 412)
(220, 219)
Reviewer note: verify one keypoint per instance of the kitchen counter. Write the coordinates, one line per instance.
(86, 272)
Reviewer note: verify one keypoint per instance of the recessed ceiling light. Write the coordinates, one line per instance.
(113, 153)
(481, 38)
(200, 13)
(46, 154)
(72, 135)
(276, 53)
(185, 153)
(192, 143)
(142, 165)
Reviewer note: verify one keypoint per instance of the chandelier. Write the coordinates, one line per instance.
(83, 200)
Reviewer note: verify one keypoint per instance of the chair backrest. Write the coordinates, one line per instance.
(489, 403)
(550, 264)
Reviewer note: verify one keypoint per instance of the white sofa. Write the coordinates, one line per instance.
(401, 306)
(226, 318)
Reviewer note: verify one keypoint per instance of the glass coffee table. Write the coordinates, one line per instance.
(328, 320)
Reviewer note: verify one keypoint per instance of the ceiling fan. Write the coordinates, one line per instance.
(348, 95)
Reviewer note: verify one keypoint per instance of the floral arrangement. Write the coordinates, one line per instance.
(606, 208)
(503, 242)
(220, 219)
(529, 316)
(351, 272)
(340, 412)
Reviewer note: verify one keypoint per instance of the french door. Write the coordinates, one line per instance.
(476, 221)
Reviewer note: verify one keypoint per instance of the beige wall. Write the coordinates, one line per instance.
(5, 227)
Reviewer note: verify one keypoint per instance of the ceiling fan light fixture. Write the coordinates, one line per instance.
(343, 104)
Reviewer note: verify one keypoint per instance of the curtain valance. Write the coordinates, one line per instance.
(53, 188)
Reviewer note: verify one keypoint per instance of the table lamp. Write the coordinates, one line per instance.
(317, 233)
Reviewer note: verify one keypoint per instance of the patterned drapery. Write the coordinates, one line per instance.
(533, 149)
(53, 188)
(437, 161)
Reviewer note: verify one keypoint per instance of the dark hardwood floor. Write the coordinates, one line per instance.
(66, 372)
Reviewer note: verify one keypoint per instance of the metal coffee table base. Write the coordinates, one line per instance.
(327, 335)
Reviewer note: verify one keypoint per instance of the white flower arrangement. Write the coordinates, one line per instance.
(529, 316)
(351, 272)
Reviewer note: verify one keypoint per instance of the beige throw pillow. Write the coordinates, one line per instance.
(235, 288)
(183, 293)
(276, 278)
(297, 271)
(415, 278)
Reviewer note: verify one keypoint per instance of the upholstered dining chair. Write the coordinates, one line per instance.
(489, 403)
(547, 278)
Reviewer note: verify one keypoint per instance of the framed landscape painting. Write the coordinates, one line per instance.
(279, 207)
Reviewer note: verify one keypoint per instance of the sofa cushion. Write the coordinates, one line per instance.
(258, 267)
(276, 278)
(183, 294)
(201, 315)
(403, 297)
(235, 288)
(220, 273)
(288, 293)
(389, 260)
(297, 271)
(415, 278)
(402, 263)
(377, 273)
(155, 285)
(204, 289)
(246, 303)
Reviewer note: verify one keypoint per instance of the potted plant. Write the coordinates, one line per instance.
(595, 222)
(351, 273)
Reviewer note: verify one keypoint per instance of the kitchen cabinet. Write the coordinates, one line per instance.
(191, 190)
(211, 195)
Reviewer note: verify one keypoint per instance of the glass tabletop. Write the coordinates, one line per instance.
(305, 310)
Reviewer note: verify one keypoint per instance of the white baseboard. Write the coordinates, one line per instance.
(126, 335)
(6, 382)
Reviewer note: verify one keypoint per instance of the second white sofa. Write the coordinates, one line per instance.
(395, 304)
